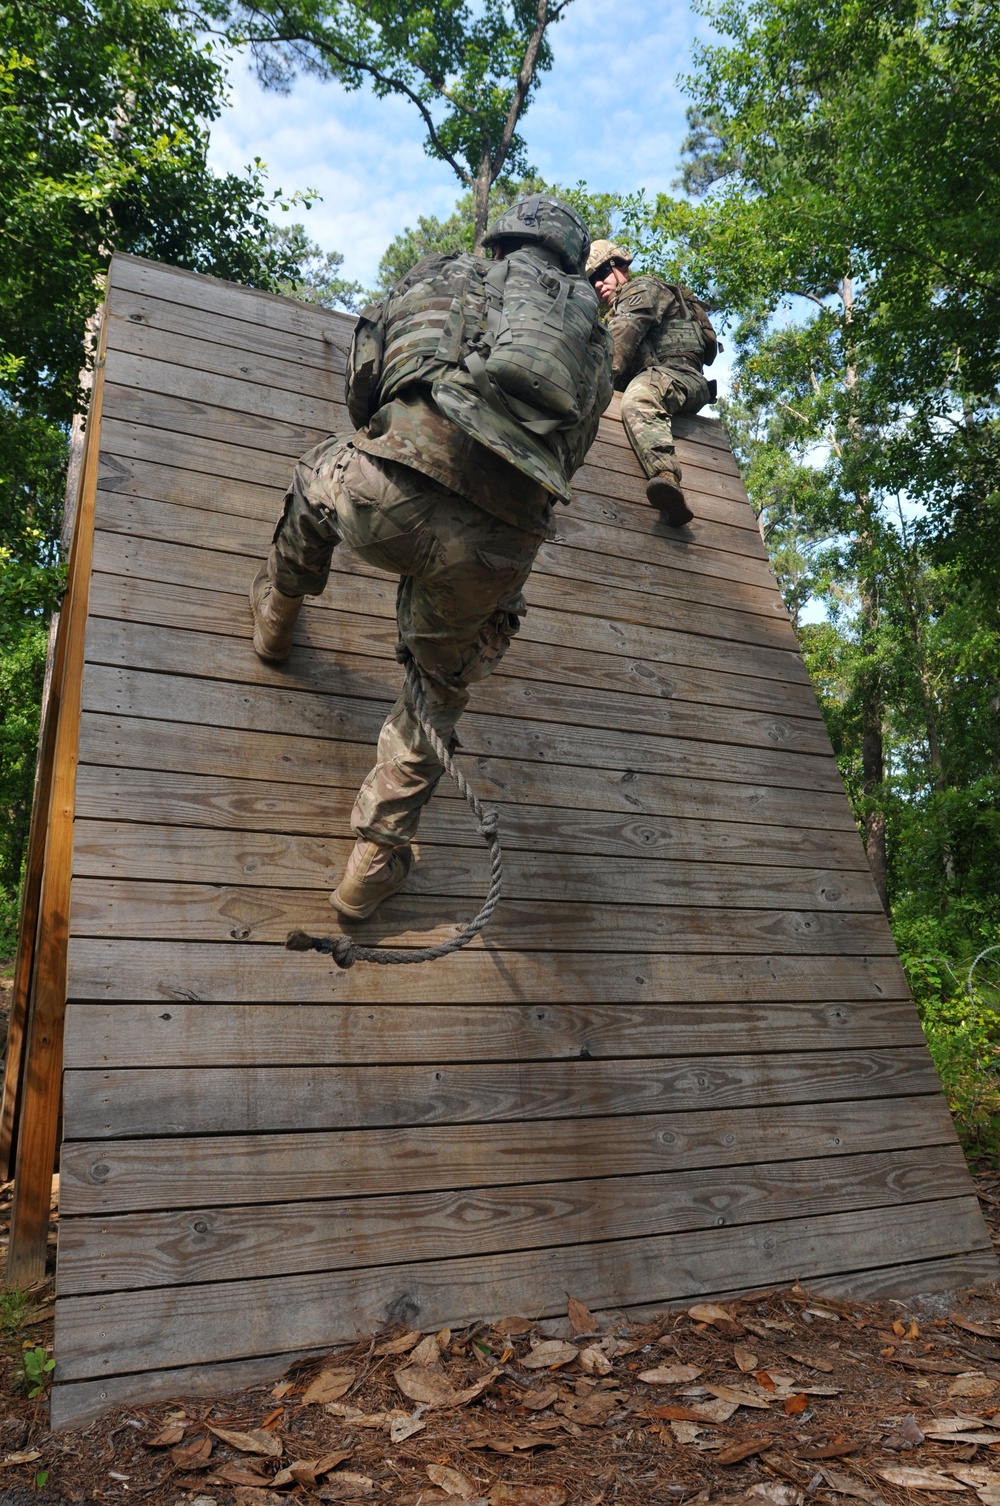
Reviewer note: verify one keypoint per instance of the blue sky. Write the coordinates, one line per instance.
(610, 112)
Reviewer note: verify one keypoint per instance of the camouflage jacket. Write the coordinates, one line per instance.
(651, 326)
(437, 422)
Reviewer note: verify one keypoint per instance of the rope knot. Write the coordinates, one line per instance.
(344, 954)
(489, 824)
(402, 654)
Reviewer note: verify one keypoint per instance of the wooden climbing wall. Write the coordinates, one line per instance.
(682, 1062)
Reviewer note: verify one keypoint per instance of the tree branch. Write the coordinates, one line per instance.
(525, 74)
(396, 85)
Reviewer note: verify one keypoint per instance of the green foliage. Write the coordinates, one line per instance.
(470, 70)
(36, 1367)
(22, 670)
(958, 999)
(15, 1309)
(457, 232)
(317, 276)
(104, 107)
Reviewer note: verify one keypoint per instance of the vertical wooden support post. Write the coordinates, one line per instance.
(28, 927)
(42, 1074)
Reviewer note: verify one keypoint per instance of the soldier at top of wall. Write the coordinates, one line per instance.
(663, 342)
(476, 388)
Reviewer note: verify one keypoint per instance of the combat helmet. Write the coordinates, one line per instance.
(602, 251)
(543, 218)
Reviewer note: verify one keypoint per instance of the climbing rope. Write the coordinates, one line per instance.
(341, 948)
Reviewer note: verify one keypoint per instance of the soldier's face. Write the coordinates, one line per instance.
(607, 282)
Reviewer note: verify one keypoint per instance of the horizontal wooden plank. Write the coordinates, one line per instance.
(141, 322)
(122, 1176)
(555, 615)
(217, 397)
(321, 635)
(129, 851)
(139, 1250)
(127, 1331)
(213, 296)
(234, 806)
(172, 972)
(79, 1402)
(576, 556)
(210, 1100)
(187, 1034)
(137, 463)
(143, 743)
(174, 414)
(154, 649)
(213, 912)
(320, 720)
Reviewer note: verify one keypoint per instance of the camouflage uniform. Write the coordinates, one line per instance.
(413, 493)
(658, 366)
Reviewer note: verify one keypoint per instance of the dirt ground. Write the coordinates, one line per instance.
(780, 1398)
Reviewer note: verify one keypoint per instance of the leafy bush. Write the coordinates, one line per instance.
(952, 976)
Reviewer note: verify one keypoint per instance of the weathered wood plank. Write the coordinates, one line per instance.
(187, 1035)
(132, 466)
(79, 1402)
(122, 1176)
(181, 334)
(137, 742)
(578, 559)
(130, 851)
(343, 718)
(127, 1331)
(213, 912)
(235, 806)
(554, 610)
(212, 1100)
(175, 972)
(125, 599)
(214, 297)
(158, 650)
(221, 1244)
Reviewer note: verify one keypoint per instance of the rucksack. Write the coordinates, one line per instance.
(520, 327)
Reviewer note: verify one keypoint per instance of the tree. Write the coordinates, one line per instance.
(469, 71)
(458, 231)
(317, 276)
(103, 147)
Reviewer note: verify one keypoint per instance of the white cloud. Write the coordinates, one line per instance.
(610, 112)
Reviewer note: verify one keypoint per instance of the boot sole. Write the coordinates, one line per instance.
(670, 503)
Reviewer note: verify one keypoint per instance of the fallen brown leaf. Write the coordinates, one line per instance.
(169, 1436)
(984, 1330)
(537, 1401)
(432, 1389)
(741, 1398)
(329, 1385)
(193, 1455)
(932, 1367)
(514, 1443)
(452, 1481)
(581, 1319)
(257, 1441)
(919, 1479)
(745, 1449)
(594, 1361)
(514, 1326)
(709, 1312)
(745, 1360)
(345, 1485)
(590, 1411)
(846, 1485)
(503, 1494)
(548, 1353)
(402, 1345)
(236, 1474)
(428, 1351)
(972, 1383)
(22, 1456)
(670, 1375)
(795, 1404)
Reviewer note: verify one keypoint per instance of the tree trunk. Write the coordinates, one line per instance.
(481, 190)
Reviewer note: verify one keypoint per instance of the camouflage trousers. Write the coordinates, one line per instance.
(458, 604)
(648, 402)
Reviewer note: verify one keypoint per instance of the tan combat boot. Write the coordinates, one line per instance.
(373, 873)
(274, 616)
(664, 492)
